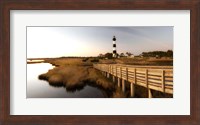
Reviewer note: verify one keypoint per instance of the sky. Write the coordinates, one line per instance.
(92, 41)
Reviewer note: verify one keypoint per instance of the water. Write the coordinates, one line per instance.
(41, 89)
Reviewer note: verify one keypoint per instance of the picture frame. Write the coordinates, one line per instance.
(8, 5)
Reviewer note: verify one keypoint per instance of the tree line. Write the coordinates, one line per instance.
(168, 53)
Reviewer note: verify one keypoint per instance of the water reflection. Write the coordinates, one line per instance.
(69, 89)
(42, 89)
(81, 86)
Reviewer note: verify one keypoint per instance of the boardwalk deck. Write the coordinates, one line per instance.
(159, 78)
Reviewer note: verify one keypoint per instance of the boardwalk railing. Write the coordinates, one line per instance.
(159, 78)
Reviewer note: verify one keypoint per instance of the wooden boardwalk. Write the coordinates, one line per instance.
(159, 78)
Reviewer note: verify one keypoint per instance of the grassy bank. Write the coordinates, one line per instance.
(73, 76)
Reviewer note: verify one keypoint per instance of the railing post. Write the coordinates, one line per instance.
(135, 76)
(124, 82)
(112, 70)
(105, 70)
(121, 72)
(108, 72)
(163, 81)
(113, 74)
(147, 84)
(126, 74)
(120, 76)
(116, 71)
(123, 85)
(132, 86)
(118, 84)
(149, 93)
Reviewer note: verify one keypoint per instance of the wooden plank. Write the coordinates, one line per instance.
(168, 87)
(155, 84)
(169, 74)
(130, 70)
(155, 88)
(168, 78)
(170, 91)
(141, 84)
(140, 72)
(169, 82)
(130, 76)
(154, 77)
(142, 75)
(131, 80)
(141, 81)
(154, 81)
(154, 73)
(144, 79)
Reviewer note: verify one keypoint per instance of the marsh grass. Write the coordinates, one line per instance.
(75, 73)
(75, 76)
(140, 61)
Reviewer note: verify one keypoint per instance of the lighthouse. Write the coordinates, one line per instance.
(114, 47)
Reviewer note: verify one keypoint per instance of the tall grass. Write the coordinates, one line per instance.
(75, 73)
(73, 76)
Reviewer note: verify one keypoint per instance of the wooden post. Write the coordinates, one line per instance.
(147, 84)
(121, 72)
(149, 93)
(120, 77)
(116, 71)
(123, 85)
(146, 78)
(108, 75)
(112, 70)
(163, 81)
(132, 89)
(135, 76)
(119, 82)
(113, 74)
(108, 72)
(108, 68)
(113, 78)
(127, 74)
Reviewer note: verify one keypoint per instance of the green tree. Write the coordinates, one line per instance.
(169, 53)
(128, 54)
(122, 54)
(108, 55)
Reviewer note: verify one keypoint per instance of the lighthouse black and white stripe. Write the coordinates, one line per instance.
(114, 47)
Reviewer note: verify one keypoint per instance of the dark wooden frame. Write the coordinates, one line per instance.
(7, 5)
